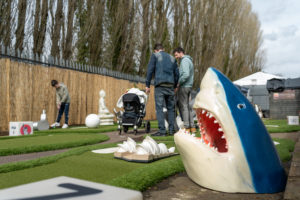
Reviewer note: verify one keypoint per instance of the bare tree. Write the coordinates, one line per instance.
(120, 34)
(22, 6)
(56, 29)
(67, 43)
(40, 24)
(5, 22)
(145, 47)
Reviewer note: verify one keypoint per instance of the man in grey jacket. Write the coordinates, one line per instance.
(62, 102)
(185, 84)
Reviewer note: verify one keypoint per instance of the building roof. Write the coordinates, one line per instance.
(258, 78)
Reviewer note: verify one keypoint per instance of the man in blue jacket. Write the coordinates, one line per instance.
(165, 70)
(185, 84)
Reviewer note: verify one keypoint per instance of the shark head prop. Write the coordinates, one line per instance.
(235, 152)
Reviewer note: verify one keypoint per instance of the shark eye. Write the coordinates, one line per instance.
(241, 106)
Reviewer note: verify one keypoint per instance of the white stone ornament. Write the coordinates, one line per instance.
(106, 118)
(92, 121)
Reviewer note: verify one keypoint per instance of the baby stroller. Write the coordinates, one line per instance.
(134, 113)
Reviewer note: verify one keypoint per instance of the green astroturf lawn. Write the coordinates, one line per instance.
(103, 168)
(26, 144)
(284, 148)
(271, 125)
(81, 163)
(90, 166)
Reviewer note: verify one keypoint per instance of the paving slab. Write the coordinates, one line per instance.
(295, 170)
(181, 187)
(292, 190)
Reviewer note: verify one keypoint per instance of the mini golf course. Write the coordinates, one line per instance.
(80, 162)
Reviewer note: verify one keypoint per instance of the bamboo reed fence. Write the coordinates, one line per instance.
(25, 90)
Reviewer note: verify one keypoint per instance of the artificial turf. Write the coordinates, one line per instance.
(22, 145)
(102, 168)
(284, 148)
(279, 126)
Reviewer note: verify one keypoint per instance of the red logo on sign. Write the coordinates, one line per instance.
(25, 129)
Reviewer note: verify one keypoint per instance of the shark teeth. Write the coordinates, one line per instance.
(200, 140)
(212, 133)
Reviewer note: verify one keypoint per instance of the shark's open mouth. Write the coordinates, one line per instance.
(211, 131)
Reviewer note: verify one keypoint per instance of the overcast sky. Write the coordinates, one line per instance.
(280, 23)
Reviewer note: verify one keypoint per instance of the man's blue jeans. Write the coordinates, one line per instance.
(64, 107)
(165, 96)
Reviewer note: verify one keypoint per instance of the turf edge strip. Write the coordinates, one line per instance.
(147, 176)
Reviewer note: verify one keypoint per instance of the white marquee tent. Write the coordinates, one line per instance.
(258, 78)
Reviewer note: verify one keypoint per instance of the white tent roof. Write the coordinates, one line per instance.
(258, 78)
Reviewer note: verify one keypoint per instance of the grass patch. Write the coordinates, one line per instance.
(285, 148)
(9, 167)
(23, 145)
(102, 168)
(160, 138)
(282, 126)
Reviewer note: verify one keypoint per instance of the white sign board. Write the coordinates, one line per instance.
(20, 128)
(68, 188)
(293, 120)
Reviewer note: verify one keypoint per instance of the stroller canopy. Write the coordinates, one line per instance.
(130, 97)
(142, 96)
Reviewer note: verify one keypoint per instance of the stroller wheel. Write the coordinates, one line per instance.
(125, 129)
(148, 127)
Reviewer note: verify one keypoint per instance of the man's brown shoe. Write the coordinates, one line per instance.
(193, 130)
(188, 130)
